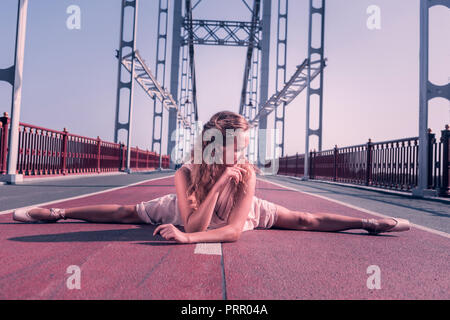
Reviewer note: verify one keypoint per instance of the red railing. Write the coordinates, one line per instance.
(4, 125)
(388, 164)
(44, 152)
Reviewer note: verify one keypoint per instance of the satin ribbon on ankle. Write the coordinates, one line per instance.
(58, 213)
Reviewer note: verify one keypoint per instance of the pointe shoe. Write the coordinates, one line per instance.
(23, 215)
(373, 226)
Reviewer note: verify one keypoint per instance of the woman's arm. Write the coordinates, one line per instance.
(199, 220)
(229, 233)
(194, 220)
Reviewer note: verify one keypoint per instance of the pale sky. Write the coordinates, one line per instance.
(371, 83)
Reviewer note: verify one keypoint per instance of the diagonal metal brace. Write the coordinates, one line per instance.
(150, 85)
(225, 33)
(296, 84)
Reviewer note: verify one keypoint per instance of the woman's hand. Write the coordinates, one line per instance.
(233, 173)
(170, 232)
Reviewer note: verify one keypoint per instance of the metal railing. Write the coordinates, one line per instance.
(389, 164)
(44, 152)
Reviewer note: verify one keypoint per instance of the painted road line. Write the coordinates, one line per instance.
(434, 231)
(208, 248)
(85, 195)
(379, 190)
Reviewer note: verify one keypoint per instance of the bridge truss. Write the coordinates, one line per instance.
(189, 32)
(181, 101)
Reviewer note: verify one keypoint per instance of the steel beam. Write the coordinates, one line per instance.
(184, 104)
(280, 75)
(190, 33)
(184, 133)
(320, 52)
(252, 105)
(248, 61)
(123, 45)
(14, 76)
(161, 42)
(264, 80)
(174, 75)
(223, 33)
(428, 91)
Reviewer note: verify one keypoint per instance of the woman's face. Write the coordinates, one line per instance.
(236, 150)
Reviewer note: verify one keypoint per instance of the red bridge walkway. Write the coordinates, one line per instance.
(127, 262)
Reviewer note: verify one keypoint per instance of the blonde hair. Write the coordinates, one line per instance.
(204, 176)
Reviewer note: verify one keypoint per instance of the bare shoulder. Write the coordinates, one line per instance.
(183, 175)
(183, 171)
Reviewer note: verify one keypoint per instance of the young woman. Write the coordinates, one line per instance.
(214, 199)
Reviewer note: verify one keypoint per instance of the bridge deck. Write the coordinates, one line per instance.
(127, 262)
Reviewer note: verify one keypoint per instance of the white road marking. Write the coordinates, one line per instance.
(208, 248)
(84, 195)
(437, 232)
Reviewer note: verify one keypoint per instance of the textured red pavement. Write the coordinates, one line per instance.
(127, 262)
(285, 264)
(117, 261)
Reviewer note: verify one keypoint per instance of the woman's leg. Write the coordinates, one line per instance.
(297, 220)
(96, 213)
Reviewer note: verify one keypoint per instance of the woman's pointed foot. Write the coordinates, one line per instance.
(374, 226)
(36, 214)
